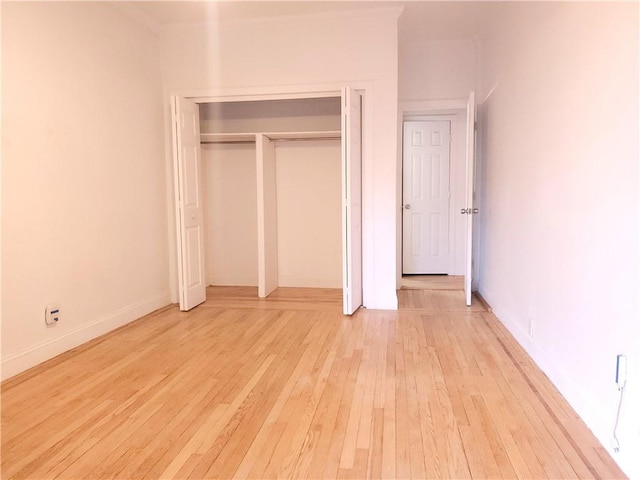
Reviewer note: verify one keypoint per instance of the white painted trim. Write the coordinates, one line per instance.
(429, 118)
(272, 92)
(46, 350)
(431, 107)
(228, 24)
(431, 110)
(273, 96)
(579, 399)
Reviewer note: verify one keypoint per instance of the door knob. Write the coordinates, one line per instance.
(407, 206)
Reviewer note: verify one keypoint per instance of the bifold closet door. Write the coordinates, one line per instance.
(267, 216)
(352, 200)
(189, 202)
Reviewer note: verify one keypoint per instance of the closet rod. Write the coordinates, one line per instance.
(250, 142)
(227, 142)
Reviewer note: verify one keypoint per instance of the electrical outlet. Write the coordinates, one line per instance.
(52, 315)
(532, 325)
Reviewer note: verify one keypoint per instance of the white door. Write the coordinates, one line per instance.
(425, 197)
(469, 210)
(352, 200)
(189, 202)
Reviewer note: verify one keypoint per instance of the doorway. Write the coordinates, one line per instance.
(455, 185)
(461, 115)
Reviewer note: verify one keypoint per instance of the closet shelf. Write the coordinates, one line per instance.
(330, 134)
(251, 137)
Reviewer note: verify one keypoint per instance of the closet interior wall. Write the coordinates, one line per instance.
(230, 210)
(308, 190)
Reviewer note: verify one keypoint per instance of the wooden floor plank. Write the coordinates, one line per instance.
(287, 386)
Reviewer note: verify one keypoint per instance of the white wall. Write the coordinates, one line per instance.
(437, 70)
(309, 191)
(231, 212)
(323, 52)
(83, 208)
(560, 223)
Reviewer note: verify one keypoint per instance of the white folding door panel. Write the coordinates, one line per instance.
(267, 216)
(469, 211)
(189, 202)
(352, 200)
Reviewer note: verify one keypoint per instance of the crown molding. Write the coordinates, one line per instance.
(393, 12)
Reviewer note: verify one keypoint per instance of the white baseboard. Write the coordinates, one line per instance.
(578, 398)
(589, 410)
(40, 352)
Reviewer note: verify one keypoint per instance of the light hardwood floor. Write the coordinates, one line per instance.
(432, 282)
(288, 387)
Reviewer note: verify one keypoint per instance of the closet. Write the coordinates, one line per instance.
(268, 194)
(304, 135)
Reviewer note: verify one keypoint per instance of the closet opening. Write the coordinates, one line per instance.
(275, 203)
(305, 137)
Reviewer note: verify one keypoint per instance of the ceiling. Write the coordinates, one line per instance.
(420, 20)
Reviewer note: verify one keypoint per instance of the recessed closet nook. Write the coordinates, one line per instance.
(269, 195)
(304, 136)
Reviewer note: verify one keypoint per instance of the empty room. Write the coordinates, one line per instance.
(386, 239)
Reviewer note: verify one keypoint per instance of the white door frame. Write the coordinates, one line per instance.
(452, 110)
(213, 95)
